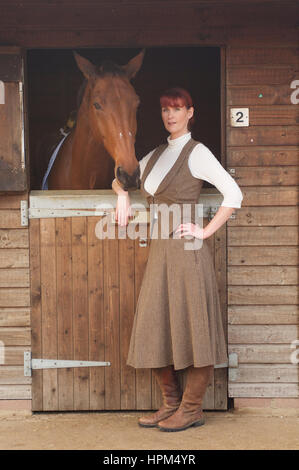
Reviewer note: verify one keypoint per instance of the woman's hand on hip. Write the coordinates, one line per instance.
(123, 209)
(190, 229)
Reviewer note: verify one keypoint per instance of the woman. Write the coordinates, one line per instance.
(178, 322)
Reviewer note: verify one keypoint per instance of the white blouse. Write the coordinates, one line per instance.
(202, 164)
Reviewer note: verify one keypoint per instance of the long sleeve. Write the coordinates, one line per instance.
(204, 165)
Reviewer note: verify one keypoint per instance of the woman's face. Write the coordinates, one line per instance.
(176, 119)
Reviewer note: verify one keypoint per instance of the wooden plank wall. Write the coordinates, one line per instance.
(263, 239)
(15, 329)
(139, 23)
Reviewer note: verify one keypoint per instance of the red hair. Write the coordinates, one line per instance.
(177, 97)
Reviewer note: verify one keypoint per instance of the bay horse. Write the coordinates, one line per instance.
(102, 144)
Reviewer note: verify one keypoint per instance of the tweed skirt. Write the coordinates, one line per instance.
(178, 317)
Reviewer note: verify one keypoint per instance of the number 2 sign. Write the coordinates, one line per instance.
(239, 117)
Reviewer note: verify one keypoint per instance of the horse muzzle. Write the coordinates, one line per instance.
(128, 181)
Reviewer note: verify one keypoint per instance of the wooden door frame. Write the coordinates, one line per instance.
(221, 375)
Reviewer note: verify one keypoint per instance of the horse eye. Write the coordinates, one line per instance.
(97, 105)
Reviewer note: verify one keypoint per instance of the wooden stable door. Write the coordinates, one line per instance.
(84, 292)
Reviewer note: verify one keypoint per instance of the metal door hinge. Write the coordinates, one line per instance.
(30, 364)
(24, 213)
(221, 366)
(36, 213)
(233, 365)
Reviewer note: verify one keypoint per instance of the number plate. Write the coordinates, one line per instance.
(239, 117)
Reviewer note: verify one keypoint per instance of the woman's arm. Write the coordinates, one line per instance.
(221, 216)
(204, 165)
(211, 170)
(123, 206)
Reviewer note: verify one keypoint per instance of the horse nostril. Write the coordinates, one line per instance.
(122, 177)
(119, 171)
(128, 181)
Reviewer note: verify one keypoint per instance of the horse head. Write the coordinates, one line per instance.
(110, 105)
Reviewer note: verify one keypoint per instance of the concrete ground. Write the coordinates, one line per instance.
(251, 429)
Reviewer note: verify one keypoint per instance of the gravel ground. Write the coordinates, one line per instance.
(230, 430)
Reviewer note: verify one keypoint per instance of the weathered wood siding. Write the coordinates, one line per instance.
(139, 23)
(262, 241)
(15, 331)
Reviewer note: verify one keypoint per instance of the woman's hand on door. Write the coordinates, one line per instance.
(123, 209)
(123, 205)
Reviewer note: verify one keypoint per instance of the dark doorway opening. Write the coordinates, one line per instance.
(54, 80)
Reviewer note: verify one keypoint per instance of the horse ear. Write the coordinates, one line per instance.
(134, 65)
(86, 67)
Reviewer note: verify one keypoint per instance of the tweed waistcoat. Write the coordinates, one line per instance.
(179, 187)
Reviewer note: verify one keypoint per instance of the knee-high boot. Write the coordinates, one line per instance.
(171, 393)
(190, 411)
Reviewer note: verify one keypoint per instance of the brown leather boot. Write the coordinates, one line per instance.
(190, 411)
(172, 395)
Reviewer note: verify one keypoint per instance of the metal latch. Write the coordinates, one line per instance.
(233, 365)
(30, 364)
(142, 242)
(214, 209)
